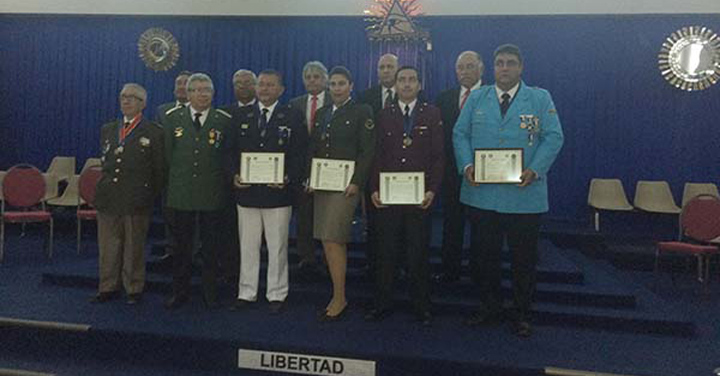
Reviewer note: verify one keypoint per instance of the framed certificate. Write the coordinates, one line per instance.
(331, 174)
(402, 188)
(262, 168)
(498, 166)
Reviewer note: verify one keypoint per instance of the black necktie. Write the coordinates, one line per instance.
(505, 104)
(263, 122)
(196, 123)
(407, 121)
(388, 98)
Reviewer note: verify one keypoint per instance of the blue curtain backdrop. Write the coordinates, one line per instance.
(60, 77)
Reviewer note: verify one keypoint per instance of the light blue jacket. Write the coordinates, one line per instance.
(480, 126)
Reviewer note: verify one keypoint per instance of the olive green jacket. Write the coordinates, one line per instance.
(349, 135)
(198, 178)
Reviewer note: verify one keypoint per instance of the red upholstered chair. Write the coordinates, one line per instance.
(23, 190)
(700, 225)
(86, 186)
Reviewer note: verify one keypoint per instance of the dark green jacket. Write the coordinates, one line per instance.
(351, 134)
(132, 176)
(198, 177)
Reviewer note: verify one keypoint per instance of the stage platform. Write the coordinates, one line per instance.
(589, 316)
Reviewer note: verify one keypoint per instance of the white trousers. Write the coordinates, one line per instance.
(275, 222)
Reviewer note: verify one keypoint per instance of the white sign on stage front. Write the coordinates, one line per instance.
(402, 188)
(331, 174)
(304, 364)
(262, 168)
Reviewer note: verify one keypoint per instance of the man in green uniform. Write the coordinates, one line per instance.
(198, 145)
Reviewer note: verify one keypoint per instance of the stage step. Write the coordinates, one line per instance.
(569, 295)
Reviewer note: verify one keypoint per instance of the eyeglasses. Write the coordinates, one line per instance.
(130, 97)
(202, 90)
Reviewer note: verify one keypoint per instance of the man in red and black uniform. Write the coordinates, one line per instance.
(410, 139)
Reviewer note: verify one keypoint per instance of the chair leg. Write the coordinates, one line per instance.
(657, 260)
(79, 234)
(2, 240)
(700, 269)
(50, 240)
(597, 221)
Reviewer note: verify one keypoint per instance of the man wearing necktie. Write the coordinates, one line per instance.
(383, 94)
(469, 69)
(268, 127)
(181, 101)
(198, 141)
(244, 82)
(380, 96)
(132, 177)
(509, 114)
(410, 139)
(181, 98)
(315, 77)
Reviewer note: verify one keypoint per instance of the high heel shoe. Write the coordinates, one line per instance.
(328, 318)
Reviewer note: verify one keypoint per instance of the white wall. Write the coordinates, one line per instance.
(355, 7)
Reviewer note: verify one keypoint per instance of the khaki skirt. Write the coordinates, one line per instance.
(333, 216)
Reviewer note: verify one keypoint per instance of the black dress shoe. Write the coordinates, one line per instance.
(522, 328)
(338, 317)
(211, 304)
(377, 314)
(176, 302)
(103, 297)
(240, 305)
(133, 299)
(277, 306)
(444, 278)
(425, 318)
(483, 317)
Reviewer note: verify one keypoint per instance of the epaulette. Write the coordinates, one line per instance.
(170, 111)
(224, 113)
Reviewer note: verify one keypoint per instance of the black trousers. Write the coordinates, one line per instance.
(229, 251)
(304, 211)
(412, 225)
(372, 235)
(521, 231)
(211, 231)
(453, 225)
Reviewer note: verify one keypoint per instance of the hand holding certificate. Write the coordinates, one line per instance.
(498, 166)
(402, 188)
(331, 174)
(262, 168)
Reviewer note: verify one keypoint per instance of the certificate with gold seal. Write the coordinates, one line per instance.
(331, 174)
(498, 166)
(402, 188)
(262, 168)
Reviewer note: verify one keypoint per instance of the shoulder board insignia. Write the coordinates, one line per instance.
(224, 113)
(170, 111)
(369, 124)
(552, 111)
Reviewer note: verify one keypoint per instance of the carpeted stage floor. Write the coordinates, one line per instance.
(598, 310)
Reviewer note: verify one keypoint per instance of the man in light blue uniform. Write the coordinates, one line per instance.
(509, 114)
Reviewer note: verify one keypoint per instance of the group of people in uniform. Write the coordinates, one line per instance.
(190, 156)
